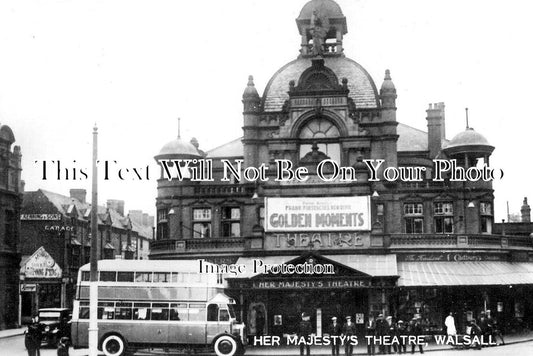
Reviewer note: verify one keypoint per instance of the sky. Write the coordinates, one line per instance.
(133, 67)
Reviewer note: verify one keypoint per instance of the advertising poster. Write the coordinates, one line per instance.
(255, 177)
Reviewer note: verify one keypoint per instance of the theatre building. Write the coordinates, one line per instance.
(407, 246)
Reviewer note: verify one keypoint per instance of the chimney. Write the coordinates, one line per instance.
(117, 205)
(78, 194)
(525, 211)
(436, 128)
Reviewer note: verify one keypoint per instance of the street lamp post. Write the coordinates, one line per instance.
(93, 289)
(22, 282)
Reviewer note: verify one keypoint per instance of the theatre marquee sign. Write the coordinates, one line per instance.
(317, 214)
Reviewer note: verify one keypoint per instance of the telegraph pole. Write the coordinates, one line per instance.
(93, 289)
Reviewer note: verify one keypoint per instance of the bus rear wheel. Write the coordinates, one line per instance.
(113, 345)
(226, 346)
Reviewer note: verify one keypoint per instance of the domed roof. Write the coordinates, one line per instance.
(468, 140)
(362, 88)
(468, 137)
(328, 8)
(178, 147)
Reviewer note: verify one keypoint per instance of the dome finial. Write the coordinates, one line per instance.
(467, 126)
(387, 75)
(250, 91)
(179, 128)
(251, 81)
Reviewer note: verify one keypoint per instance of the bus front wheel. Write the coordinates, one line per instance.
(226, 346)
(113, 345)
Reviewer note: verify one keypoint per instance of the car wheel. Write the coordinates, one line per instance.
(113, 345)
(226, 346)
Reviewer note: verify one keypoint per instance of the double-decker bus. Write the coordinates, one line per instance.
(157, 304)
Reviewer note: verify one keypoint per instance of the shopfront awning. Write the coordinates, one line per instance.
(372, 265)
(471, 273)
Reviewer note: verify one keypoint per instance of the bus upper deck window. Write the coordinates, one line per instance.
(125, 277)
(143, 277)
(162, 277)
(85, 276)
(108, 276)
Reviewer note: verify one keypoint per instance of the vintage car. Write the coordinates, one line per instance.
(55, 324)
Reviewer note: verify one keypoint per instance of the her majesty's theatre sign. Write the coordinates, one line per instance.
(330, 222)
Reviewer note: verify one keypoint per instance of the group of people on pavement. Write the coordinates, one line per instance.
(33, 338)
(397, 331)
(486, 327)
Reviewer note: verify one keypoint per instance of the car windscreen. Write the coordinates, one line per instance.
(49, 315)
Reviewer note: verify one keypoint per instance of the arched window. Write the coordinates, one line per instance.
(324, 134)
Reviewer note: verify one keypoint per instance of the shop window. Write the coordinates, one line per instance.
(75, 256)
(319, 131)
(201, 224)
(485, 210)
(443, 217)
(414, 218)
(262, 216)
(231, 222)
(380, 214)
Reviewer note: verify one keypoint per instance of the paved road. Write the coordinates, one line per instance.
(14, 346)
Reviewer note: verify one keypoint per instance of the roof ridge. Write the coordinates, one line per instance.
(224, 144)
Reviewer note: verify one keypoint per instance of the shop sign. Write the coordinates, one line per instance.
(41, 265)
(40, 217)
(28, 287)
(316, 240)
(314, 284)
(317, 214)
(449, 257)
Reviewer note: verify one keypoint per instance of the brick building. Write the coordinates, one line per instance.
(402, 247)
(55, 242)
(10, 202)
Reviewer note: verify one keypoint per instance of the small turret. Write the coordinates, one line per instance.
(250, 97)
(525, 211)
(388, 92)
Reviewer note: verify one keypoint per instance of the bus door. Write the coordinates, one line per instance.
(218, 321)
(196, 326)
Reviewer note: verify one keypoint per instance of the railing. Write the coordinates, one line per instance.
(459, 240)
(223, 189)
(177, 246)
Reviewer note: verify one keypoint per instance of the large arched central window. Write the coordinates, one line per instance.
(324, 134)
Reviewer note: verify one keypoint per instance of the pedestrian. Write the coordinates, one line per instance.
(391, 332)
(335, 330)
(381, 331)
(475, 334)
(402, 331)
(29, 341)
(36, 334)
(370, 332)
(62, 347)
(415, 329)
(484, 325)
(348, 330)
(450, 325)
(305, 329)
(494, 328)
